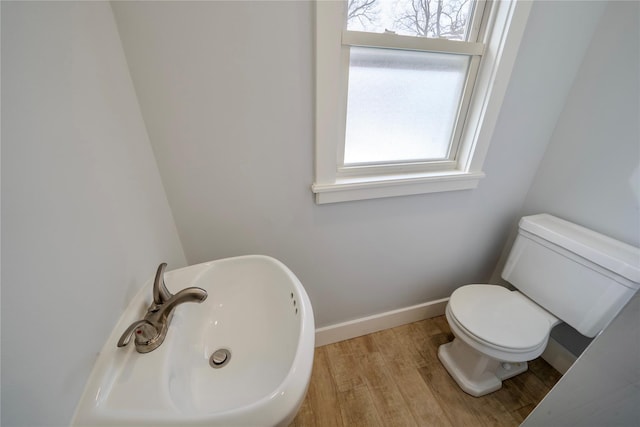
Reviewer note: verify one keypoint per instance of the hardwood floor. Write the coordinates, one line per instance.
(394, 378)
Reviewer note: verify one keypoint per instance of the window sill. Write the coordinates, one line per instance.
(374, 187)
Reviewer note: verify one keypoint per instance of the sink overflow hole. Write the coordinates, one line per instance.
(219, 358)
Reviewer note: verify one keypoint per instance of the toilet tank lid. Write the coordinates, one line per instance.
(618, 257)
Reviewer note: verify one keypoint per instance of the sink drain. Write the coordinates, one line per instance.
(219, 358)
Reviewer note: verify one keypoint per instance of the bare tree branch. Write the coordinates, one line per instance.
(425, 18)
(434, 18)
(362, 10)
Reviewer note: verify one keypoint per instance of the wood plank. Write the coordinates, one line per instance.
(442, 324)
(389, 402)
(393, 377)
(545, 372)
(520, 394)
(407, 347)
(344, 367)
(461, 408)
(320, 407)
(356, 404)
(427, 335)
(357, 408)
(404, 372)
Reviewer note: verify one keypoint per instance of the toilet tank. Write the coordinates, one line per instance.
(582, 277)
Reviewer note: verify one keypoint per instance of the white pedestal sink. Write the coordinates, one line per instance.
(257, 313)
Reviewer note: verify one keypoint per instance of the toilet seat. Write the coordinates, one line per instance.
(501, 319)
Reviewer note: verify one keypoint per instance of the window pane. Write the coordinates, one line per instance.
(425, 18)
(402, 105)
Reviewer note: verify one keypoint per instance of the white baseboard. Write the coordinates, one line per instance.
(558, 356)
(555, 354)
(377, 322)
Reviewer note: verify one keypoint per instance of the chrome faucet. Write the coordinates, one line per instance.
(151, 331)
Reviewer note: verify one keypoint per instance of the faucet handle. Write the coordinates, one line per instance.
(160, 292)
(142, 328)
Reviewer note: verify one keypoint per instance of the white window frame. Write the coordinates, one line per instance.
(334, 182)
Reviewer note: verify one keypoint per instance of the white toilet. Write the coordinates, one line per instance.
(562, 272)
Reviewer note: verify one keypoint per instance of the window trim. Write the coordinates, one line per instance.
(334, 183)
(394, 41)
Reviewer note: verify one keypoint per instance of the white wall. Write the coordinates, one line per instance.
(226, 91)
(85, 219)
(603, 387)
(590, 173)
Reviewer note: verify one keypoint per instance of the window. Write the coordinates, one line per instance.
(408, 92)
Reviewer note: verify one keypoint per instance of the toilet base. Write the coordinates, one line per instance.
(476, 373)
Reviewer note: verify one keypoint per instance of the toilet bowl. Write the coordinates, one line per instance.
(496, 332)
(561, 272)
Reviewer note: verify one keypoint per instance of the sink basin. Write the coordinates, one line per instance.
(243, 357)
